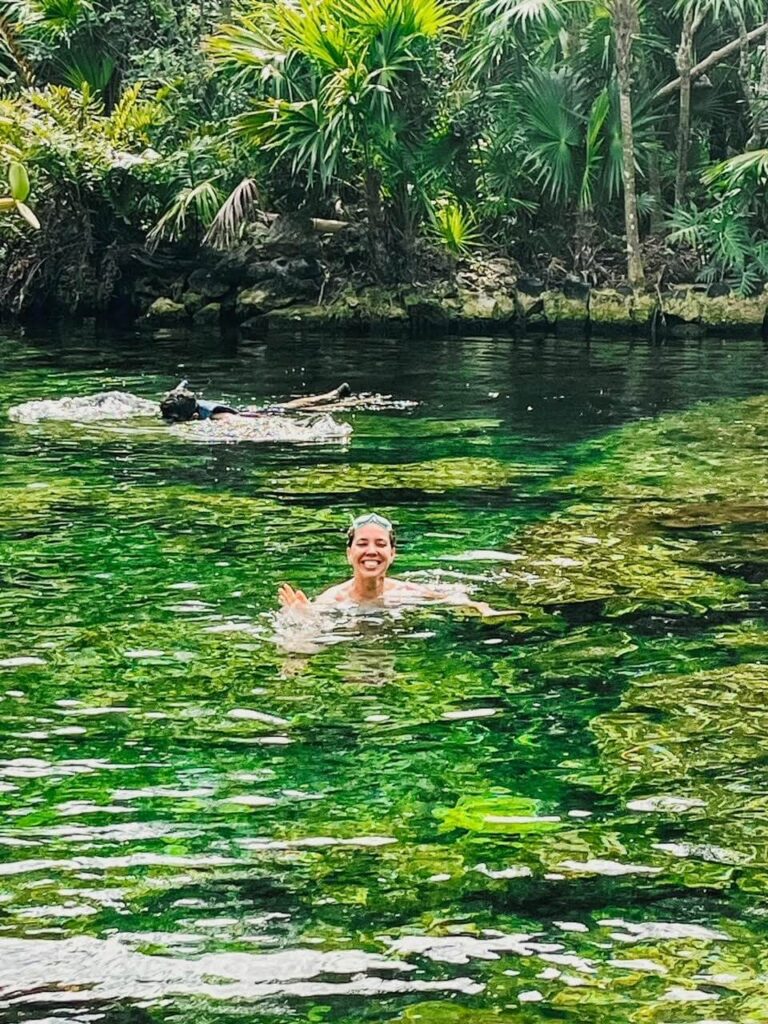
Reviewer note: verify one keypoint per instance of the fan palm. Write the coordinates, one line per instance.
(341, 84)
(549, 32)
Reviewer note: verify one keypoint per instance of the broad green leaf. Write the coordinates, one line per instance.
(19, 181)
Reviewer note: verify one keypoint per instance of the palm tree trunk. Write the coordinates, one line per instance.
(684, 63)
(760, 104)
(376, 241)
(654, 184)
(626, 25)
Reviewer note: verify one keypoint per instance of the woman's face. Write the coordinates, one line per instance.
(371, 553)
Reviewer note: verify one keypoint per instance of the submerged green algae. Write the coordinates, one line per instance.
(432, 788)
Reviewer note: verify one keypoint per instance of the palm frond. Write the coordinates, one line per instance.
(455, 228)
(86, 64)
(593, 148)
(553, 129)
(734, 170)
(247, 43)
(198, 203)
(241, 207)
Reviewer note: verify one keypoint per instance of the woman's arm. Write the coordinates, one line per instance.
(456, 599)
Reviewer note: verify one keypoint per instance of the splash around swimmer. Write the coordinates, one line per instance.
(371, 550)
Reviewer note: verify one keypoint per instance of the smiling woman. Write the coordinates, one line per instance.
(371, 550)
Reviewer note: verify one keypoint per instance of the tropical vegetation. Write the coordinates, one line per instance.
(606, 140)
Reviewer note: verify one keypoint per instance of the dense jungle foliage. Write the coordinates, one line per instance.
(612, 140)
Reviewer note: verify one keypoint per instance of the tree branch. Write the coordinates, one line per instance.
(714, 58)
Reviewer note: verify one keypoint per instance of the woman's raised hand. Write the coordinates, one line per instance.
(295, 600)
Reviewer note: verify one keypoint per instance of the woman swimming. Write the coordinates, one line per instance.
(371, 550)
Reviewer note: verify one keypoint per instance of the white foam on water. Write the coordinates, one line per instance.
(265, 429)
(122, 405)
(104, 405)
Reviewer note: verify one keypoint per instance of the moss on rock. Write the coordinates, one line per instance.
(727, 311)
(610, 308)
(684, 304)
(254, 301)
(559, 310)
(165, 311)
(530, 307)
(208, 316)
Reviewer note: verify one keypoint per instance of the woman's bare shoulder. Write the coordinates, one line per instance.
(334, 595)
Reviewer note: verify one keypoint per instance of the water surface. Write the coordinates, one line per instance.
(559, 816)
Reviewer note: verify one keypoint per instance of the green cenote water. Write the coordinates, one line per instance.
(427, 817)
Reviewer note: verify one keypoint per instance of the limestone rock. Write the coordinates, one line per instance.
(484, 306)
(611, 307)
(208, 316)
(684, 304)
(643, 307)
(608, 308)
(166, 311)
(423, 307)
(208, 283)
(732, 311)
(296, 316)
(530, 307)
(192, 301)
(564, 312)
(370, 305)
(298, 267)
(261, 299)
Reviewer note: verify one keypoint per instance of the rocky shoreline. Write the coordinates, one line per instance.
(288, 296)
(291, 280)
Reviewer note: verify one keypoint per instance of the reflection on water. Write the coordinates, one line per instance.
(419, 816)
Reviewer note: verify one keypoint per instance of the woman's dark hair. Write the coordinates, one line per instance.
(178, 405)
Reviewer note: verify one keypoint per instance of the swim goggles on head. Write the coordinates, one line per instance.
(374, 518)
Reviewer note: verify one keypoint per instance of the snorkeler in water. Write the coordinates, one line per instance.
(182, 405)
(371, 550)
